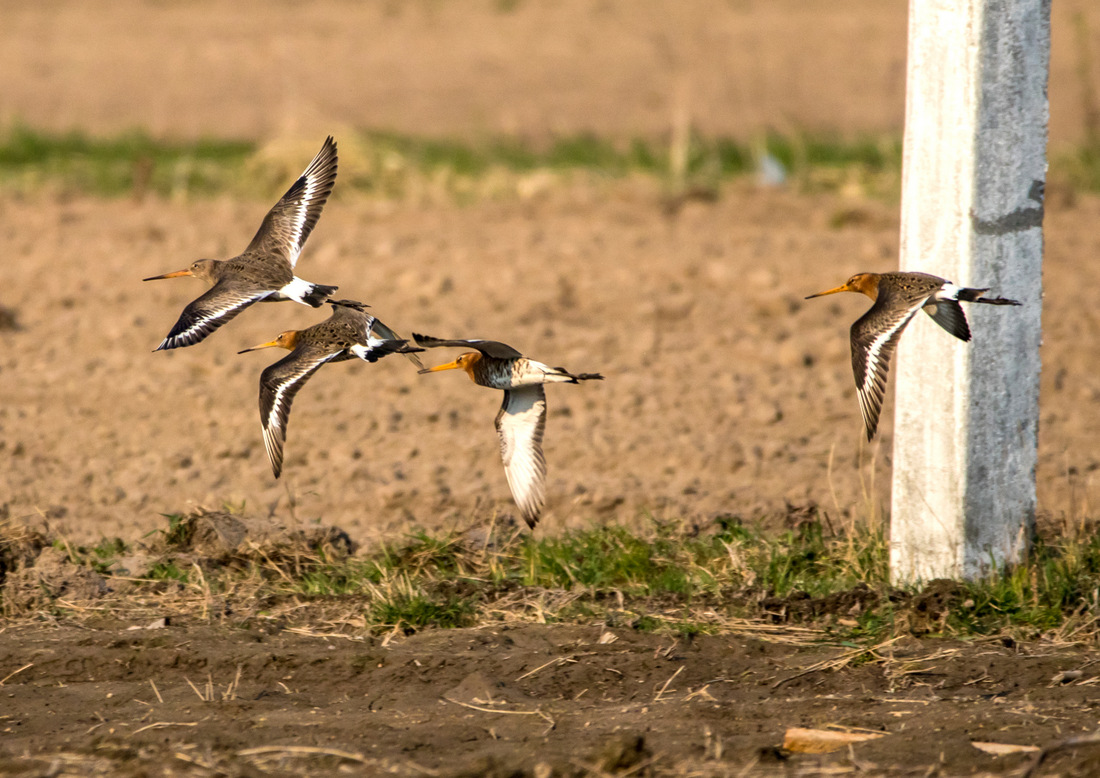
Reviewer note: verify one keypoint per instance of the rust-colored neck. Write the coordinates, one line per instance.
(468, 362)
(867, 283)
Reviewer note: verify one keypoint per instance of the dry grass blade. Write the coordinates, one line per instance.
(303, 751)
(163, 724)
(483, 709)
(230, 692)
(312, 633)
(1002, 749)
(156, 691)
(657, 697)
(561, 660)
(196, 690)
(838, 662)
(14, 673)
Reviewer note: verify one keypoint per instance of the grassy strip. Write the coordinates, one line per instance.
(130, 164)
(670, 577)
(396, 166)
(392, 166)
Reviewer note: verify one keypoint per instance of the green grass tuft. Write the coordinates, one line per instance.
(417, 610)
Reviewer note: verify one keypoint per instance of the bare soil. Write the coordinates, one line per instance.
(250, 699)
(725, 391)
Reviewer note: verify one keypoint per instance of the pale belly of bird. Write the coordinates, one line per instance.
(516, 373)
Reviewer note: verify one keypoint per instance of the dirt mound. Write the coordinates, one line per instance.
(36, 572)
(221, 538)
(51, 577)
(920, 613)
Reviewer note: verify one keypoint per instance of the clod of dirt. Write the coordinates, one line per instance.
(8, 319)
(51, 577)
(19, 547)
(800, 606)
(222, 536)
(928, 611)
(624, 754)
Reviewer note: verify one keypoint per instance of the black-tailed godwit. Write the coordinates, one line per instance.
(349, 333)
(898, 296)
(265, 269)
(521, 420)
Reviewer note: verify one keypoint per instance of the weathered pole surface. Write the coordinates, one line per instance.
(967, 414)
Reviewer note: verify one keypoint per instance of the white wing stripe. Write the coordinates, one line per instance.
(273, 428)
(206, 321)
(874, 351)
(301, 212)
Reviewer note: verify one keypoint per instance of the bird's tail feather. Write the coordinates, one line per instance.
(975, 296)
(318, 294)
(577, 378)
(410, 352)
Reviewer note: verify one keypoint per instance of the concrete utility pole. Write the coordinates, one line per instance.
(967, 415)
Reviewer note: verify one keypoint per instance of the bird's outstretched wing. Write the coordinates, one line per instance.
(288, 224)
(520, 424)
(278, 385)
(490, 348)
(874, 340)
(206, 313)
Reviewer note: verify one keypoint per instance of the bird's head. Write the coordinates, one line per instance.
(464, 362)
(287, 340)
(864, 283)
(201, 268)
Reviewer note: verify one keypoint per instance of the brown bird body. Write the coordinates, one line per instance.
(874, 336)
(521, 420)
(349, 333)
(264, 271)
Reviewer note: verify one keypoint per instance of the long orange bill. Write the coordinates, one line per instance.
(449, 366)
(177, 274)
(269, 344)
(843, 288)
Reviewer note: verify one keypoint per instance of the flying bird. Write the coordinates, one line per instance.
(265, 269)
(521, 420)
(898, 296)
(349, 333)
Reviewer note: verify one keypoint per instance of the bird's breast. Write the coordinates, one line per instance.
(499, 373)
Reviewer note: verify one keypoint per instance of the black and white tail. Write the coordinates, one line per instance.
(410, 352)
(318, 294)
(574, 379)
(379, 349)
(975, 296)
